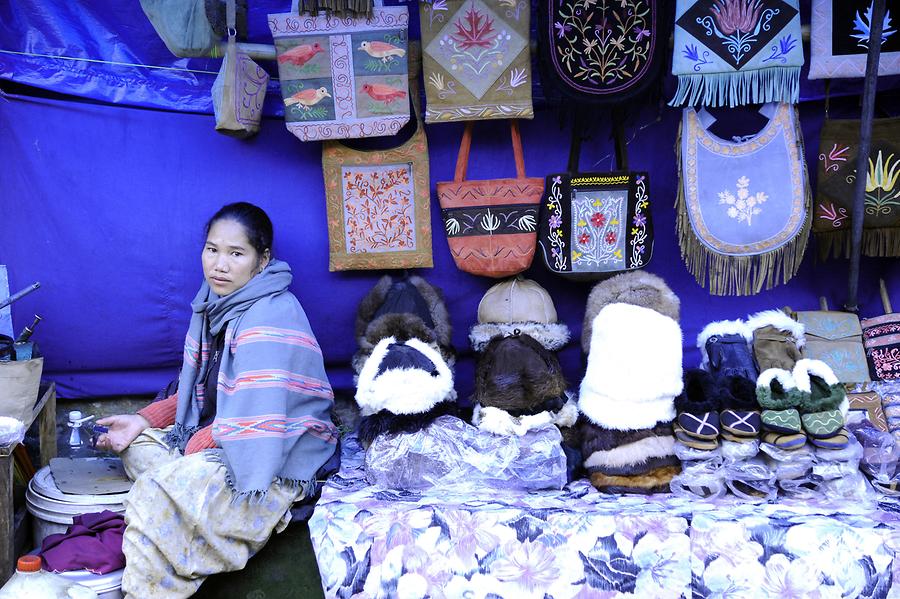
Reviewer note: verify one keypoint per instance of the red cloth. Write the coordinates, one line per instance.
(161, 414)
(93, 542)
(201, 440)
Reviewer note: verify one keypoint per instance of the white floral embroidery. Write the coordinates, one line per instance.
(745, 206)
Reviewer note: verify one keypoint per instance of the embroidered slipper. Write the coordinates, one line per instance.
(785, 441)
(819, 387)
(776, 390)
(823, 424)
(781, 421)
(740, 411)
(838, 441)
(686, 439)
(727, 436)
(698, 405)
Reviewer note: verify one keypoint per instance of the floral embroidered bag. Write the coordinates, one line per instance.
(881, 338)
(839, 39)
(605, 51)
(342, 76)
(491, 224)
(477, 62)
(838, 149)
(735, 52)
(836, 339)
(743, 206)
(378, 204)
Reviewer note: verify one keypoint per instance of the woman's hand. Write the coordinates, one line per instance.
(123, 429)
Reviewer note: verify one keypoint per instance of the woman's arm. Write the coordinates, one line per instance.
(161, 414)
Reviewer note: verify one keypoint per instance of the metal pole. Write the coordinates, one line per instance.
(865, 141)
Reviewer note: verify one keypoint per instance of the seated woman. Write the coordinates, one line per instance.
(218, 464)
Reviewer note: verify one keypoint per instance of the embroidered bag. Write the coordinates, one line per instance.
(477, 63)
(839, 39)
(595, 223)
(378, 204)
(869, 402)
(836, 339)
(607, 51)
(881, 338)
(838, 150)
(491, 224)
(742, 206)
(733, 52)
(239, 89)
(343, 77)
(188, 27)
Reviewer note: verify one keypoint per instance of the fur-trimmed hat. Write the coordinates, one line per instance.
(634, 368)
(403, 308)
(638, 288)
(403, 378)
(613, 451)
(654, 481)
(518, 304)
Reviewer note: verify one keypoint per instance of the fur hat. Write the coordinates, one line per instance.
(517, 374)
(608, 449)
(403, 308)
(518, 304)
(403, 378)
(638, 288)
(633, 370)
(655, 481)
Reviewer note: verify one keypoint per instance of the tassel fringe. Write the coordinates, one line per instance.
(339, 7)
(774, 84)
(876, 243)
(738, 275)
(257, 496)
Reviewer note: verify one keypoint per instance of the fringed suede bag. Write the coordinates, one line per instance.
(743, 206)
(838, 150)
(735, 52)
(839, 39)
(835, 338)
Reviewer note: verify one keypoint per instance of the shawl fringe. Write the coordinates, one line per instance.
(738, 275)
(758, 86)
(178, 437)
(257, 496)
(876, 243)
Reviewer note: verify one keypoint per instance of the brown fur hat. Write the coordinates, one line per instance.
(655, 481)
(429, 321)
(636, 287)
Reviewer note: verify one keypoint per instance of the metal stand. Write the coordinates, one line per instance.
(865, 142)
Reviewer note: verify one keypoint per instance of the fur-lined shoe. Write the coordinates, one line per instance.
(777, 339)
(740, 410)
(778, 395)
(725, 347)
(839, 440)
(690, 441)
(698, 405)
(824, 400)
(785, 441)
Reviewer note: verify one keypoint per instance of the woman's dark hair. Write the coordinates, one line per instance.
(254, 220)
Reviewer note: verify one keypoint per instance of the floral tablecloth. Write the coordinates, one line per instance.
(577, 543)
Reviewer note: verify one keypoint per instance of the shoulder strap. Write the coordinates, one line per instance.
(465, 147)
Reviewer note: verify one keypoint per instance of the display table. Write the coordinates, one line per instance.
(577, 543)
(12, 533)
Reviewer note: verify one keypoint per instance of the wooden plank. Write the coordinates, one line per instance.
(47, 424)
(7, 523)
(6, 327)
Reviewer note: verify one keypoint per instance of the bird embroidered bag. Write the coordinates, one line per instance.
(379, 205)
(839, 39)
(602, 52)
(477, 62)
(595, 223)
(735, 52)
(743, 206)
(838, 150)
(491, 224)
(343, 77)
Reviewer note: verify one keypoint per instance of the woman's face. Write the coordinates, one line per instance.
(229, 260)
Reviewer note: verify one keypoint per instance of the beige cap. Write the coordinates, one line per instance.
(516, 300)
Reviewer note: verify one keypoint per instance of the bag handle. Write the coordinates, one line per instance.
(465, 146)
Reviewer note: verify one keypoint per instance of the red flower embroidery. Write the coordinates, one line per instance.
(584, 239)
(610, 238)
(598, 219)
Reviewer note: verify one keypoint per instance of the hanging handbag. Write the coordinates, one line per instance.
(379, 204)
(602, 52)
(477, 62)
(881, 338)
(839, 39)
(491, 224)
(239, 89)
(182, 25)
(343, 77)
(836, 339)
(743, 206)
(838, 150)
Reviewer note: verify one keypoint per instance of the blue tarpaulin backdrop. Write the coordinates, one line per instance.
(105, 203)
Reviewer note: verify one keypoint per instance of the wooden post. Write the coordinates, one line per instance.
(47, 424)
(862, 160)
